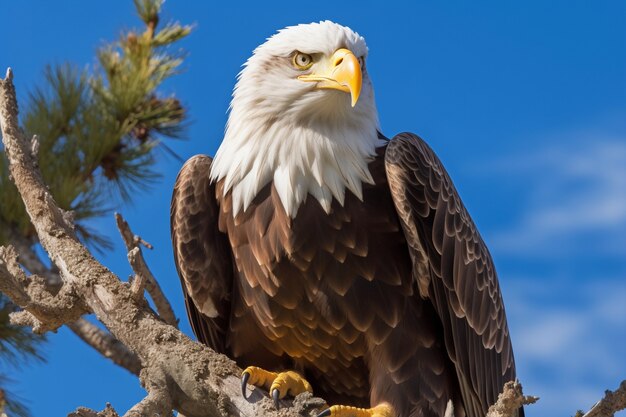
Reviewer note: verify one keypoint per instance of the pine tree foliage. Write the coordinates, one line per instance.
(98, 132)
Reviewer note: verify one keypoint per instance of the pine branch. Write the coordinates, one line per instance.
(98, 130)
(199, 381)
(97, 338)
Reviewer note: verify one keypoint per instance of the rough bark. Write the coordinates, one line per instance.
(109, 411)
(31, 261)
(99, 339)
(143, 275)
(510, 400)
(612, 402)
(43, 311)
(189, 377)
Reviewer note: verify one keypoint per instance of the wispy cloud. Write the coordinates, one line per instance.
(568, 353)
(575, 193)
(562, 257)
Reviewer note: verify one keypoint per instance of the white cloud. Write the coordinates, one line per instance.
(568, 353)
(575, 193)
(548, 335)
(568, 313)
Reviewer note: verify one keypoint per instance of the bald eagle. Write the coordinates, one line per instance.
(322, 256)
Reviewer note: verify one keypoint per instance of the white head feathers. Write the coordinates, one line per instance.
(281, 129)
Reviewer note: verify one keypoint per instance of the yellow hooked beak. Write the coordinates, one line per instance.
(343, 73)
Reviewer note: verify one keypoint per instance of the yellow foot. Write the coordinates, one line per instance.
(277, 384)
(381, 410)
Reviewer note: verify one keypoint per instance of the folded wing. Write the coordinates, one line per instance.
(201, 252)
(452, 268)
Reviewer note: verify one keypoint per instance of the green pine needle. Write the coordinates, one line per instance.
(149, 10)
(98, 130)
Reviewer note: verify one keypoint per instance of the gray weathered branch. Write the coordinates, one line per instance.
(43, 311)
(109, 411)
(199, 381)
(31, 261)
(510, 400)
(94, 336)
(158, 402)
(612, 402)
(143, 273)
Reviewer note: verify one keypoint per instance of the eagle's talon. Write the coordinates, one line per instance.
(275, 397)
(277, 384)
(245, 376)
(381, 410)
(324, 413)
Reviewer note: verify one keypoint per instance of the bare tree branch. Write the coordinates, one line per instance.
(94, 336)
(199, 381)
(109, 411)
(132, 242)
(158, 402)
(106, 344)
(31, 261)
(12, 277)
(612, 402)
(510, 400)
(99, 339)
(43, 310)
(138, 284)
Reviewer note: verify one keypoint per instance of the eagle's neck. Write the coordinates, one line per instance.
(320, 157)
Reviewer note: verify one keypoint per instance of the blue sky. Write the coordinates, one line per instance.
(525, 103)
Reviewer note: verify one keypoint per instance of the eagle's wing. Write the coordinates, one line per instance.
(201, 252)
(452, 268)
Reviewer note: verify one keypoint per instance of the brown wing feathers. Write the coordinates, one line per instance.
(201, 252)
(461, 282)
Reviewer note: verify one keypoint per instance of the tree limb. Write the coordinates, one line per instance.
(137, 262)
(109, 411)
(612, 402)
(510, 400)
(99, 339)
(158, 402)
(43, 310)
(31, 261)
(199, 381)
(138, 284)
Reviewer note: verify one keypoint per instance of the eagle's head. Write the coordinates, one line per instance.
(303, 116)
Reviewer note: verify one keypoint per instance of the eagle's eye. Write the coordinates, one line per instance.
(302, 61)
